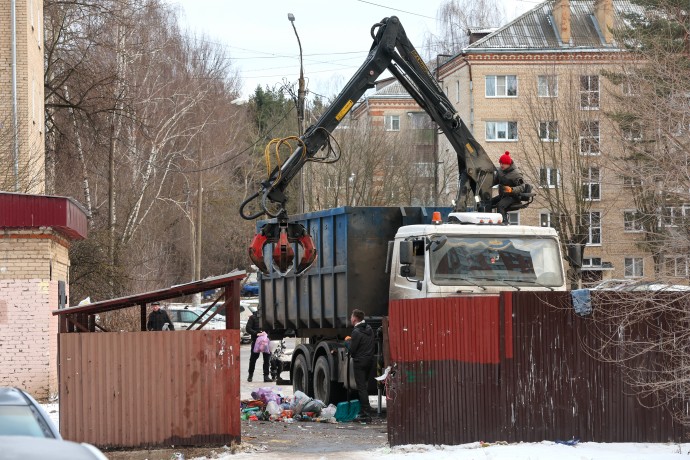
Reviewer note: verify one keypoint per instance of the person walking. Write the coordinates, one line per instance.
(362, 346)
(510, 186)
(159, 319)
(253, 328)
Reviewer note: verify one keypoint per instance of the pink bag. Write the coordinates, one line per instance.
(262, 344)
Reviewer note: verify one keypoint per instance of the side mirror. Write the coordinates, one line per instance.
(406, 252)
(575, 254)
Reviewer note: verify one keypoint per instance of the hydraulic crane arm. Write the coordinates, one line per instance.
(390, 50)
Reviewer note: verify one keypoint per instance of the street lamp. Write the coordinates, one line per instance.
(300, 107)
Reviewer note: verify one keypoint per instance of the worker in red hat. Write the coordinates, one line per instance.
(510, 186)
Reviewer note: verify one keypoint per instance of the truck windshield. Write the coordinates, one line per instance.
(497, 260)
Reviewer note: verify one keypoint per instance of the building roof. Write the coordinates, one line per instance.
(393, 90)
(535, 30)
(23, 211)
(160, 294)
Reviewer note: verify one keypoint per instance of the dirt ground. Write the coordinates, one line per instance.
(281, 439)
(278, 439)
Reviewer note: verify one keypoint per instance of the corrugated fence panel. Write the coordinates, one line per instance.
(514, 368)
(145, 389)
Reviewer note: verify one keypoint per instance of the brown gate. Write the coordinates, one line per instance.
(135, 389)
(509, 368)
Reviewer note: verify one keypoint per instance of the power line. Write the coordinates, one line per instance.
(396, 9)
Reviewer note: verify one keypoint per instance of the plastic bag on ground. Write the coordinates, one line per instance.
(314, 406)
(273, 408)
(328, 412)
(300, 400)
(266, 394)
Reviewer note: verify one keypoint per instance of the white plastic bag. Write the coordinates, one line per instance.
(328, 412)
(273, 408)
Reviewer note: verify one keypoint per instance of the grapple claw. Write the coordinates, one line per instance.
(283, 235)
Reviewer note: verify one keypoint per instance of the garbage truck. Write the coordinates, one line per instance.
(317, 267)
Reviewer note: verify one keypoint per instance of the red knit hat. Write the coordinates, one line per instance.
(505, 159)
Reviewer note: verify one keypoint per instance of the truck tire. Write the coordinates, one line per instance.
(300, 376)
(326, 390)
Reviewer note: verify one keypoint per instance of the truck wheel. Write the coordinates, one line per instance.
(300, 376)
(325, 390)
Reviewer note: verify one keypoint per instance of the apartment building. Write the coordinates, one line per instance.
(390, 108)
(22, 136)
(535, 87)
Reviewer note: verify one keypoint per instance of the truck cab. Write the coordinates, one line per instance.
(473, 254)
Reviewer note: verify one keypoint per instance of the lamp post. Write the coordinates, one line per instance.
(300, 108)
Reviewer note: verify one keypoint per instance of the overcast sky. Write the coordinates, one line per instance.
(335, 35)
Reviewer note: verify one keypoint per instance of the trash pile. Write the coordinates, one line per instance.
(269, 405)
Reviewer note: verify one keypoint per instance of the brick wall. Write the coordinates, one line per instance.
(30, 95)
(32, 262)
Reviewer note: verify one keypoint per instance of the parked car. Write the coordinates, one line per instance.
(27, 432)
(250, 289)
(30, 448)
(636, 285)
(183, 316)
(21, 415)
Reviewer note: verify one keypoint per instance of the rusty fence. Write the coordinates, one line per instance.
(144, 389)
(512, 368)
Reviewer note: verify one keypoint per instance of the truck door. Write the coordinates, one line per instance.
(410, 283)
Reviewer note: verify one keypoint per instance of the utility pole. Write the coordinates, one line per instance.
(300, 109)
(196, 300)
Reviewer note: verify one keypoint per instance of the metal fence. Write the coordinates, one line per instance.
(509, 368)
(145, 389)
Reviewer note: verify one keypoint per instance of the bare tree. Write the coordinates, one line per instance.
(646, 331)
(455, 18)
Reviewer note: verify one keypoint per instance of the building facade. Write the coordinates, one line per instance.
(536, 88)
(22, 132)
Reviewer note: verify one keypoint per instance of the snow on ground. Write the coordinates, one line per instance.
(545, 450)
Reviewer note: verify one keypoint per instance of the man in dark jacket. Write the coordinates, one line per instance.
(510, 186)
(253, 328)
(362, 347)
(158, 319)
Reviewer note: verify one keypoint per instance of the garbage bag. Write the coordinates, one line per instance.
(266, 394)
(314, 406)
(300, 400)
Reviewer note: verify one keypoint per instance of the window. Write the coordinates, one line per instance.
(548, 130)
(457, 91)
(631, 181)
(681, 267)
(545, 220)
(632, 221)
(549, 177)
(633, 267)
(501, 131)
(514, 218)
(591, 184)
(547, 85)
(591, 262)
(421, 120)
(673, 216)
(392, 122)
(592, 221)
(632, 131)
(589, 92)
(424, 169)
(628, 88)
(501, 86)
(589, 138)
